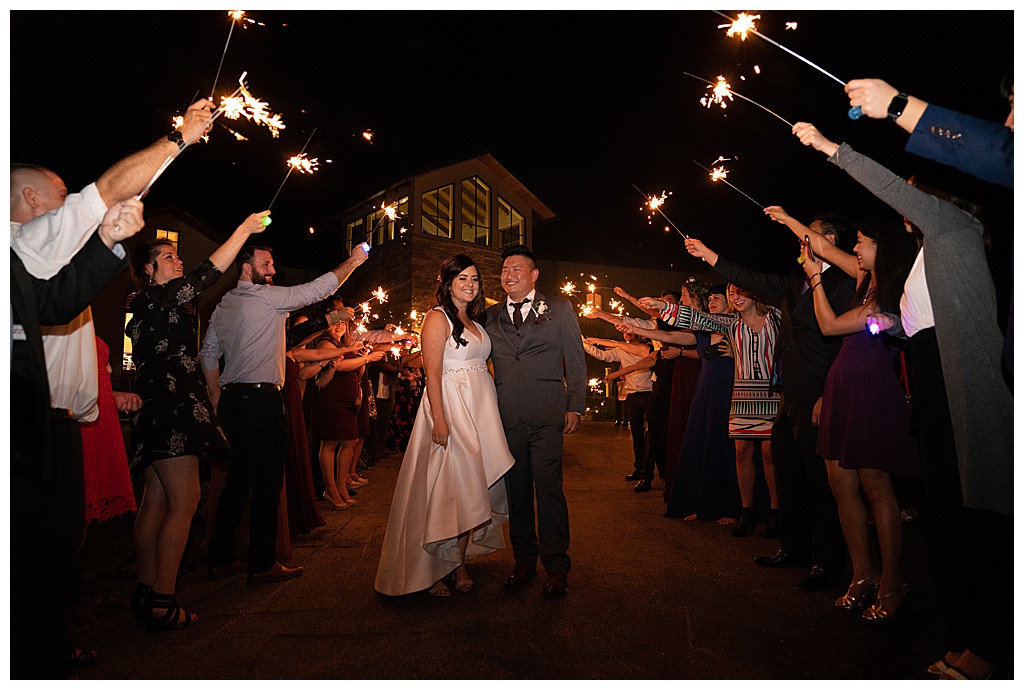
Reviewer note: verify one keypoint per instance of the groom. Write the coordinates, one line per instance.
(540, 375)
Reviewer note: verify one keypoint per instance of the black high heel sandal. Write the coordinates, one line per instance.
(138, 601)
(744, 523)
(173, 618)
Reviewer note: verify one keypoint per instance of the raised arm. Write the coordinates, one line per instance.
(847, 263)
(633, 300)
(223, 256)
(684, 337)
(848, 322)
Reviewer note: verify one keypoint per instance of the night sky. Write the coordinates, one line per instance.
(579, 106)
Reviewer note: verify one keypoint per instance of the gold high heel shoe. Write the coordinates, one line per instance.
(878, 613)
(858, 595)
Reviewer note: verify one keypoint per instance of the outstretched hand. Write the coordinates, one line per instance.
(872, 95)
(778, 214)
(254, 223)
(198, 121)
(651, 303)
(810, 136)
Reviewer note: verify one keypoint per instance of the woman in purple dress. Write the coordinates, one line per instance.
(864, 427)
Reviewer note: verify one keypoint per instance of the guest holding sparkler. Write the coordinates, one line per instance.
(336, 413)
(177, 424)
(864, 400)
(449, 500)
(963, 406)
(809, 528)
(706, 486)
(754, 405)
(637, 383)
(248, 329)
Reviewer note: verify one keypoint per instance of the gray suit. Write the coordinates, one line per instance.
(540, 373)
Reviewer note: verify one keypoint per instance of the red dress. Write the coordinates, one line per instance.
(108, 484)
(684, 383)
(303, 516)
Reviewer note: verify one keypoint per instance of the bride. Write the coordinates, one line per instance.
(449, 501)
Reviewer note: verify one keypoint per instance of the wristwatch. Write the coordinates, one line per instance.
(178, 138)
(897, 105)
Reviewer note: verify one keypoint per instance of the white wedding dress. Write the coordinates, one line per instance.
(442, 492)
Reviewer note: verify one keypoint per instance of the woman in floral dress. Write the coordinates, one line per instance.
(177, 424)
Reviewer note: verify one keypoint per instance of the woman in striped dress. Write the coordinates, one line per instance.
(752, 333)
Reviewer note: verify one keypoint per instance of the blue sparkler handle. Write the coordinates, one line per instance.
(855, 113)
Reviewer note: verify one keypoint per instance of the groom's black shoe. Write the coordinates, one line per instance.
(520, 575)
(642, 486)
(636, 475)
(556, 585)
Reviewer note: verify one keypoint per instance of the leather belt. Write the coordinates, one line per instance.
(248, 386)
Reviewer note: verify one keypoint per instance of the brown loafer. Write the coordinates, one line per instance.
(556, 585)
(279, 573)
(520, 575)
(216, 573)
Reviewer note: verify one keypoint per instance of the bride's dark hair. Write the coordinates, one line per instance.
(449, 271)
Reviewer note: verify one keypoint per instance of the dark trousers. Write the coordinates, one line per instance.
(46, 526)
(638, 412)
(538, 469)
(808, 517)
(254, 423)
(972, 549)
(657, 428)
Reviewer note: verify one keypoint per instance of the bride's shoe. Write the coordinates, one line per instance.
(439, 589)
(462, 584)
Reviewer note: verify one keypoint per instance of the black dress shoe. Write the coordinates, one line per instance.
(781, 559)
(556, 585)
(819, 578)
(635, 476)
(642, 486)
(520, 575)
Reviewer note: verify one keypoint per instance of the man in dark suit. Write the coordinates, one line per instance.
(540, 375)
(809, 529)
(47, 503)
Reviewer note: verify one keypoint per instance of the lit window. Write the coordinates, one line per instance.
(476, 211)
(511, 225)
(169, 235)
(354, 234)
(436, 212)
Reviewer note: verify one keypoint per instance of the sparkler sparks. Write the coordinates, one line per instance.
(304, 165)
(741, 25)
(368, 135)
(596, 385)
(721, 90)
(654, 204)
(380, 295)
(244, 104)
(719, 174)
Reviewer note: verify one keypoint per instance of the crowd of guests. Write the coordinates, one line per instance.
(801, 370)
(817, 370)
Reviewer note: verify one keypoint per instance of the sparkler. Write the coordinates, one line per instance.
(300, 163)
(718, 175)
(242, 103)
(722, 90)
(654, 204)
(744, 23)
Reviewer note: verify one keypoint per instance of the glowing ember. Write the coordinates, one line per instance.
(303, 164)
(239, 16)
(596, 385)
(251, 108)
(586, 310)
(742, 24)
(361, 327)
(719, 92)
(719, 173)
(368, 135)
(414, 315)
(365, 307)
(380, 295)
(391, 211)
(178, 121)
(757, 69)
(791, 25)
(396, 352)
(569, 288)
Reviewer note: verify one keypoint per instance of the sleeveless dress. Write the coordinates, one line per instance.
(865, 418)
(444, 492)
(336, 406)
(176, 417)
(303, 516)
(107, 481)
(705, 479)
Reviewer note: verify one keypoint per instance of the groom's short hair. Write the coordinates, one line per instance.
(519, 250)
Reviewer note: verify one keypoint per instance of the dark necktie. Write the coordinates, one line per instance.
(517, 312)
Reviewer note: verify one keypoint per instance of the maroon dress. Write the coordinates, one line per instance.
(684, 382)
(303, 517)
(336, 409)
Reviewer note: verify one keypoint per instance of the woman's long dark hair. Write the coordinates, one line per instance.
(143, 256)
(449, 271)
(895, 251)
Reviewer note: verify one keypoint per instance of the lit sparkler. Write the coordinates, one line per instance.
(236, 16)
(368, 135)
(719, 174)
(721, 90)
(745, 23)
(300, 163)
(596, 385)
(242, 103)
(380, 295)
(654, 204)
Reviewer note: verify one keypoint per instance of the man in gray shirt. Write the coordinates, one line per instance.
(248, 329)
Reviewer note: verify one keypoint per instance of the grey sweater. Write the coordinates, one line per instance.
(970, 343)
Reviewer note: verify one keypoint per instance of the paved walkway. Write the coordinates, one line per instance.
(649, 598)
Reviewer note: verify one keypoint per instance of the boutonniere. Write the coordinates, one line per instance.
(540, 307)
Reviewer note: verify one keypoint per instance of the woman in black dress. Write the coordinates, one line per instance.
(177, 424)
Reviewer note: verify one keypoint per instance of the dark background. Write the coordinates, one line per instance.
(579, 106)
